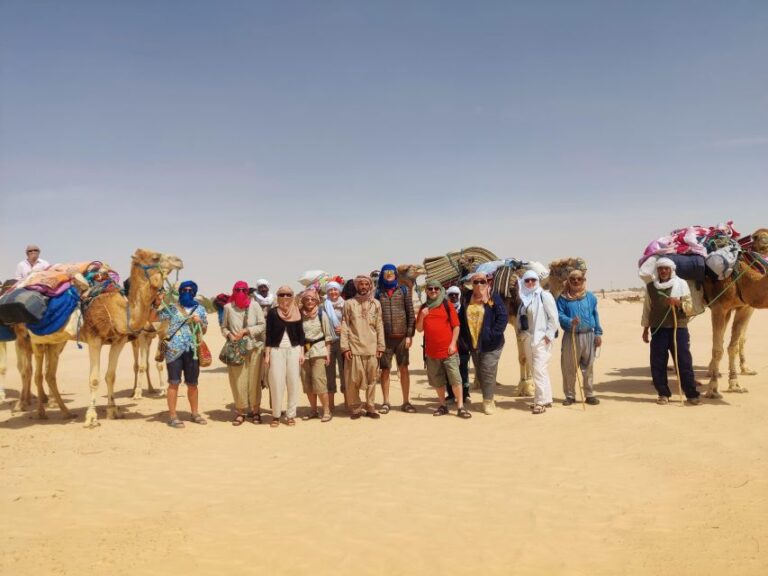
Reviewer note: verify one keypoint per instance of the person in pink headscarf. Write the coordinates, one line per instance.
(243, 319)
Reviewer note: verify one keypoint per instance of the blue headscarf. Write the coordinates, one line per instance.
(187, 299)
(383, 284)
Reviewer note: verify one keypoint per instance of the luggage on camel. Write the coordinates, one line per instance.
(7, 334)
(57, 313)
(689, 266)
(723, 261)
(20, 305)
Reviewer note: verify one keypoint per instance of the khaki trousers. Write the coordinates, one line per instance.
(245, 383)
(284, 379)
(360, 374)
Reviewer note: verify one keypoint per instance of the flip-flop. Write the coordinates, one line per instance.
(175, 423)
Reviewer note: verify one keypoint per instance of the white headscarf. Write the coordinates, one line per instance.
(455, 290)
(332, 307)
(528, 294)
(678, 287)
(267, 300)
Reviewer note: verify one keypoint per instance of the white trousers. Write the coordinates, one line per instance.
(538, 357)
(284, 377)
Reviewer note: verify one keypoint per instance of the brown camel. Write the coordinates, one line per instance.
(111, 318)
(739, 295)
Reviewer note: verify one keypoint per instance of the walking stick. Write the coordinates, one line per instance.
(677, 366)
(578, 369)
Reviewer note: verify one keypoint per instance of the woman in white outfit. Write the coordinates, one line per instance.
(284, 355)
(538, 318)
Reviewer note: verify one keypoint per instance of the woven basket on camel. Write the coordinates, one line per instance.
(449, 268)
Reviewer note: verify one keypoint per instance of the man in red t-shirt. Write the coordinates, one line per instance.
(440, 324)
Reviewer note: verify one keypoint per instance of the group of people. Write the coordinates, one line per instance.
(354, 333)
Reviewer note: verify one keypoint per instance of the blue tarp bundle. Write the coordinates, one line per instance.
(6, 334)
(56, 315)
(689, 266)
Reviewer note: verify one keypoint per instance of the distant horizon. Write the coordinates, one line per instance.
(262, 139)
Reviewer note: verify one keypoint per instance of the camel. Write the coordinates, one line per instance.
(739, 295)
(111, 318)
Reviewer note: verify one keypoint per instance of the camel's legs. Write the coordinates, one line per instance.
(745, 370)
(163, 385)
(525, 385)
(738, 330)
(719, 323)
(3, 368)
(114, 356)
(24, 365)
(39, 354)
(94, 352)
(136, 349)
(52, 354)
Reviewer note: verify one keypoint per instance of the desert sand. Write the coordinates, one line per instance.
(626, 487)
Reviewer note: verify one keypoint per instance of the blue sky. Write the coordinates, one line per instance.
(265, 138)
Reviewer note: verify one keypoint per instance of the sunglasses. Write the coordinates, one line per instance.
(31, 251)
(476, 282)
(284, 295)
(530, 280)
(577, 280)
(433, 289)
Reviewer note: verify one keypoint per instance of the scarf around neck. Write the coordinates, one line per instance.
(580, 292)
(286, 307)
(240, 298)
(528, 294)
(437, 300)
(306, 313)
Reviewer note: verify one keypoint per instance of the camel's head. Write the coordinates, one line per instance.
(760, 241)
(559, 270)
(410, 271)
(155, 265)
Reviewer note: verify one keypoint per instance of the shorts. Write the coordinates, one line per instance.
(394, 347)
(187, 364)
(442, 371)
(313, 377)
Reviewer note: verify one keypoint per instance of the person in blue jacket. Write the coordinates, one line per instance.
(483, 319)
(577, 312)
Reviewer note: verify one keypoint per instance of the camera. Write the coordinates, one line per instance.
(523, 321)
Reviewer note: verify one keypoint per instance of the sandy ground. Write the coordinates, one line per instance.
(627, 487)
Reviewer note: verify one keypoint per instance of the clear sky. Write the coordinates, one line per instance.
(265, 138)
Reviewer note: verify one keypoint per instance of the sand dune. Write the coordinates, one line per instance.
(627, 487)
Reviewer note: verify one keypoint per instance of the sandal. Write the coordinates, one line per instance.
(463, 413)
(442, 410)
(539, 409)
(326, 417)
(408, 407)
(275, 423)
(198, 419)
(175, 423)
(291, 421)
(256, 418)
(385, 408)
(311, 416)
(239, 419)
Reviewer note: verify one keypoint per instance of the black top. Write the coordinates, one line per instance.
(276, 327)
